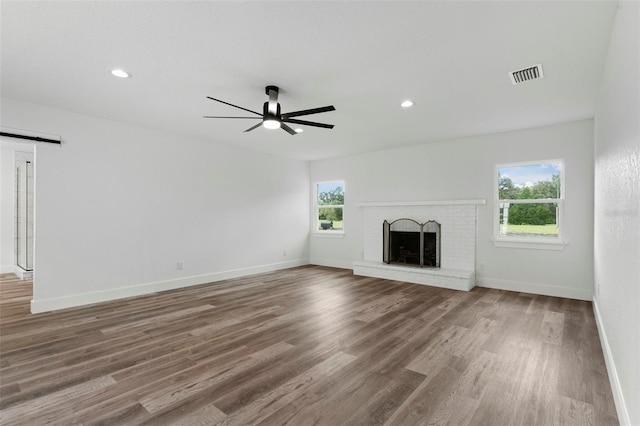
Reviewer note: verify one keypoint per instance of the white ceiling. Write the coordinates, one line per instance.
(451, 58)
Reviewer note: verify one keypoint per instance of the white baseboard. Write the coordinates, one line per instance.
(51, 304)
(534, 288)
(22, 274)
(332, 263)
(616, 389)
(7, 269)
(18, 271)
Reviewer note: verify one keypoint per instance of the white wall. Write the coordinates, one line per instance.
(118, 206)
(7, 212)
(463, 169)
(617, 212)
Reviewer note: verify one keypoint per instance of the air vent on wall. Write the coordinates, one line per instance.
(526, 74)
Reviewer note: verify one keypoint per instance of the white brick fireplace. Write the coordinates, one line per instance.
(458, 242)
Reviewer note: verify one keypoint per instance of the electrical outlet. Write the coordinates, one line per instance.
(180, 265)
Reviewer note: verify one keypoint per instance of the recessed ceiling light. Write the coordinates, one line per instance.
(299, 130)
(406, 104)
(120, 73)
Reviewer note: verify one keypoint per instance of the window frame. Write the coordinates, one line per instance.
(544, 243)
(335, 233)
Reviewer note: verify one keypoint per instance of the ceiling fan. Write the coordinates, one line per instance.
(271, 116)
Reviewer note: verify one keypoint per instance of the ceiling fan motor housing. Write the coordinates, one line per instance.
(266, 115)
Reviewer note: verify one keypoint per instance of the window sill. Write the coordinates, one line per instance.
(328, 234)
(529, 244)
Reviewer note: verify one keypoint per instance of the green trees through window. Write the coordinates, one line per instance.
(531, 214)
(330, 206)
(530, 199)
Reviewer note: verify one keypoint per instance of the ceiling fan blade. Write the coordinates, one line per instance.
(253, 127)
(217, 116)
(287, 129)
(309, 111)
(235, 106)
(307, 123)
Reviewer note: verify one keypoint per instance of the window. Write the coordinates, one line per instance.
(329, 206)
(529, 202)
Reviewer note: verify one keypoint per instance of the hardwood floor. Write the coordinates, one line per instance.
(309, 345)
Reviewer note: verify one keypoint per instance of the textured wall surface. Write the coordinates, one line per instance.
(617, 211)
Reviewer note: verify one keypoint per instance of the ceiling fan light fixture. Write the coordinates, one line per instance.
(271, 124)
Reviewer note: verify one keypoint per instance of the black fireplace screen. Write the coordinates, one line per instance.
(407, 242)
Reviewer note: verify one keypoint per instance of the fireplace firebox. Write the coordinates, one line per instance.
(407, 242)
